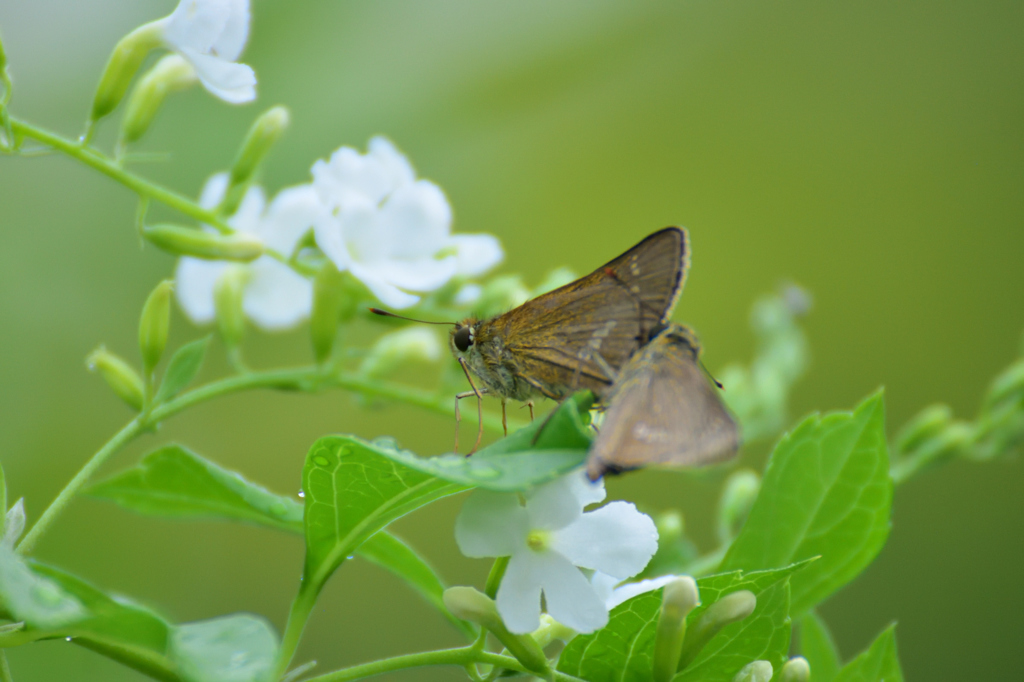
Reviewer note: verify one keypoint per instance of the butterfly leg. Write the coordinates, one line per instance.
(479, 393)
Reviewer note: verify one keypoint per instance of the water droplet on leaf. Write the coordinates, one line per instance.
(302, 493)
(486, 471)
(321, 461)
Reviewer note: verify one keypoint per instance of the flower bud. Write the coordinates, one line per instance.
(262, 136)
(757, 671)
(124, 62)
(328, 297)
(738, 497)
(119, 375)
(732, 608)
(476, 607)
(670, 524)
(502, 294)
(154, 324)
(187, 241)
(170, 74)
(227, 300)
(796, 669)
(926, 425)
(397, 348)
(678, 598)
(14, 523)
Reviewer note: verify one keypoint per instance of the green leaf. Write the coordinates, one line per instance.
(173, 481)
(826, 492)
(116, 621)
(35, 599)
(182, 369)
(879, 663)
(352, 492)
(514, 463)
(817, 646)
(623, 650)
(391, 553)
(236, 648)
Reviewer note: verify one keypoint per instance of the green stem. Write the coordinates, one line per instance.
(5, 670)
(306, 379)
(459, 657)
(303, 605)
(119, 440)
(109, 167)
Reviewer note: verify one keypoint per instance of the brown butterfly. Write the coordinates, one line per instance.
(577, 336)
(663, 410)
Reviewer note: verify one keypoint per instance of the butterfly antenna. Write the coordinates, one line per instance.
(384, 313)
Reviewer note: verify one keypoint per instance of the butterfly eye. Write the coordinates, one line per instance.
(463, 338)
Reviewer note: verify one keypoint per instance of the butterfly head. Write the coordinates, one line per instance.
(463, 336)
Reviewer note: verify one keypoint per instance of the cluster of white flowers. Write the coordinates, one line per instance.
(548, 540)
(371, 216)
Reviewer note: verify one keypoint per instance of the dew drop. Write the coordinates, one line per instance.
(344, 451)
(302, 493)
(321, 461)
(350, 557)
(67, 639)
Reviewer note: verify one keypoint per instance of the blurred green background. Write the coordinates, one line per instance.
(871, 151)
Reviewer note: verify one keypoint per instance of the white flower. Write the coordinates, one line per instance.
(211, 34)
(390, 230)
(547, 539)
(605, 586)
(275, 297)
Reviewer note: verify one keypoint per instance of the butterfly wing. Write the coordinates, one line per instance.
(567, 338)
(663, 410)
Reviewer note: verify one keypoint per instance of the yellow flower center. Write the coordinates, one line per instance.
(538, 539)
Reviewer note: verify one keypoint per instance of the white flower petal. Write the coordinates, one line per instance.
(276, 297)
(331, 240)
(196, 24)
(234, 83)
(415, 221)
(425, 274)
(396, 166)
(249, 213)
(604, 585)
(289, 216)
(386, 293)
(571, 599)
(477, 253)
(615, 539)
(491, 524)
(350, 177)
(231, 41)
(553, 505)
(213, 191)
(468, 294)
(194, 282)
(629, 590)
(518, 598)
(561, 502)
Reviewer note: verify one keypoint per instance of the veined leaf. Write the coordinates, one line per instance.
(879, 663)
(826, 492)
(352, 492)
(817, 646)
(182, 369)
(41, 603)
(514, 463)
(623, 650)
(174, 482)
